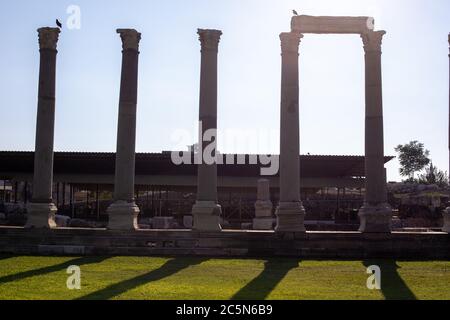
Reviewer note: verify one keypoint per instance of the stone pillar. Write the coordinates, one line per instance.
(263, 207)
(206, 211)
(41, 210)
(376, 214)
(123, 212)
(290, 212)
(446, 227)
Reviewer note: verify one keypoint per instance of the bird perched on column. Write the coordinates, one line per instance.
(295, 12)
(59, 24)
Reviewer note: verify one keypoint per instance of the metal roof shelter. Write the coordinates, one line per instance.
(158, 169)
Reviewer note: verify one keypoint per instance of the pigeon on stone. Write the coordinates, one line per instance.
(295, 12)
(59, 24)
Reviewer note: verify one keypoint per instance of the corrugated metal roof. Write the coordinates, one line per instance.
(314, 166)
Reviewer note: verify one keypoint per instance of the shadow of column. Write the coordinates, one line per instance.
(6, 256)
(261, 286)
(50, 269)
(171, 267)
(393, 286)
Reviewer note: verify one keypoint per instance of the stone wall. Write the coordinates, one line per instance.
(329, 245)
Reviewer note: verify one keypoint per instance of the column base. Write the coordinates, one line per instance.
(123, 215)
(263, 215)
(41, 215)
(375, 218)
(290, 217)
(263, 224)
(263, 209)
(206, 216)
(446, 214)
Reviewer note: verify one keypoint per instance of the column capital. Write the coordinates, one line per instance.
(372, 41)
(209, 39)
(130, 39)
(290, 42)
(48, 38)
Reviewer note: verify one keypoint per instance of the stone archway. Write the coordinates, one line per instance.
(376, 213)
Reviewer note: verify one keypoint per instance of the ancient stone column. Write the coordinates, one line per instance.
(123, 212)
(290, 212)
(206, 211)
(446, 227)
(376, 214)
(41, 210)
(263, 207)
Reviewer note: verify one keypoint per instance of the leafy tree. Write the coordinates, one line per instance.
(413, 157)
(433, 175)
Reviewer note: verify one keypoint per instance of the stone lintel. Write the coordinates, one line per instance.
(48, 38)
(130, 39)
(342, 25)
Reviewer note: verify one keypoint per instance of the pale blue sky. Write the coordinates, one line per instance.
(415, 73)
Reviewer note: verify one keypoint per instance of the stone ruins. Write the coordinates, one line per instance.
(289, 235)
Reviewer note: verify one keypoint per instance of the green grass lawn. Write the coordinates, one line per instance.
(24, 277)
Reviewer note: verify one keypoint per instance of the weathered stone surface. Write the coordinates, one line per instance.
(344, 25)
(41, 215)
(263, 207)
(41, 211)
(376, 214)
(130, 39)
(375, 183)
(206, 211)
(263, 223)
(58, 249)
(206, 216)
(290, 212)
(338, 245)
(209, 39)
(290, 217)
(48, 38)
(376, 219)
(372, 41)
(123, 215)
(263, 190)
(123, 212)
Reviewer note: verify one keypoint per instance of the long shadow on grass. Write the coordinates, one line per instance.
(261, 286)
(6, 256)
(393, 286)
(171, 267)
(50, 269)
